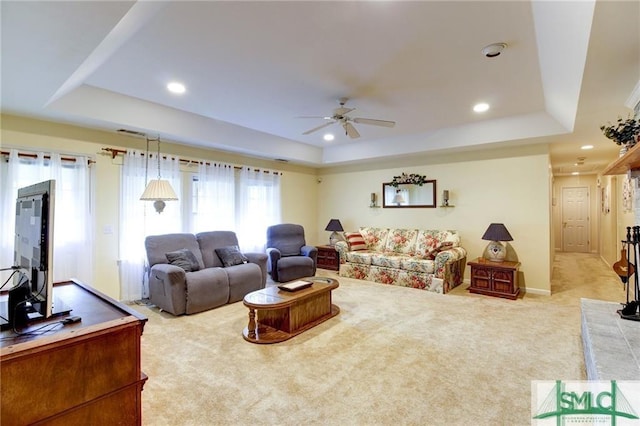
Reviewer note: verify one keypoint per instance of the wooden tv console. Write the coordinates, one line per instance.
(83, 373)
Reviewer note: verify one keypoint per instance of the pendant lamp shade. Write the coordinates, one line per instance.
(158, 190)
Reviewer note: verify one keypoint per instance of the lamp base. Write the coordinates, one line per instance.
(334, 238)
(159, 205)
(495, 252)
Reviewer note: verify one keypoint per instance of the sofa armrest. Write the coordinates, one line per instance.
(309, 251)
(170, 273)
(259, 259)
(168, 287)
(342, 247)
(450, 265)
(273, 255)
(312, 252)
(450, 255)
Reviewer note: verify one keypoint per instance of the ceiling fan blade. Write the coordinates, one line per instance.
(324, 117)
(351, 131)
(383, 123)
(319, 127)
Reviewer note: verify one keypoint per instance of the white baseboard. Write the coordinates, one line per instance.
(605, 262)
(537, 291)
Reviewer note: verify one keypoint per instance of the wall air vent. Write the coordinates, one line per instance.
(131, 133)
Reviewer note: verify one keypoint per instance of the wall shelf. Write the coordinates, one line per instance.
(629, 161)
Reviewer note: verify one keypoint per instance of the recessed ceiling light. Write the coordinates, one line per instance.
(575, 173)
(586, 147)
(481, 107)
(175, 87)
(329, 137)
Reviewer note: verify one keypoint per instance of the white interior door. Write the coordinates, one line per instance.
(575, 219)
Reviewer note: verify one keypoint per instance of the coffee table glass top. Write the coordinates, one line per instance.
(272, 295)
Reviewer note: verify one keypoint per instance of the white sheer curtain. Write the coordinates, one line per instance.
(73, 228)
(259, 207)
(73, 242)
(139, 219)
(214, 198)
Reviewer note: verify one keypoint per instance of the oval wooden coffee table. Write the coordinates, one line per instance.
(276, 315)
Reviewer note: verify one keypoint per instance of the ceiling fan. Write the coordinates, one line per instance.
(340, 116)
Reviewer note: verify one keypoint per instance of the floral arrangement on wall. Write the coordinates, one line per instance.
(409, 179)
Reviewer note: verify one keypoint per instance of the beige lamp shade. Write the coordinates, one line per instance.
(158, 189)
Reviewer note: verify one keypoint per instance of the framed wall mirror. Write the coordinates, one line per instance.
(409, 195)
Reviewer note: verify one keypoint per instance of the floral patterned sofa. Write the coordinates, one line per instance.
(426, 259)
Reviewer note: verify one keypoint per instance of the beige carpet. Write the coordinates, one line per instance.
(392, 356)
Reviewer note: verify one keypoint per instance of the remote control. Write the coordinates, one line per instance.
(71, 320)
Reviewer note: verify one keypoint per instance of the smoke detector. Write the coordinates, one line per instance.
(493, 50)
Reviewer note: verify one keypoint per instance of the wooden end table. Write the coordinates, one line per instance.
(277, 315)
(328, 258)
(494, 278)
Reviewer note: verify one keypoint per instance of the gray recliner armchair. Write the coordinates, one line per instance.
(288, 255)
(192, 273)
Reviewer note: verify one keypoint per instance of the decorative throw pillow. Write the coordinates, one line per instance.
(433, 246)
(355, 240)
(183, 259)
(231, 256)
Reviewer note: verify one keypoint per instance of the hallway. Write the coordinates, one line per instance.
(584, 275)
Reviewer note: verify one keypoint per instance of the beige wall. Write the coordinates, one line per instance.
(513, 189)
(509, 185)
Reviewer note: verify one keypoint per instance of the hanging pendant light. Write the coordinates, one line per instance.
(157, 190)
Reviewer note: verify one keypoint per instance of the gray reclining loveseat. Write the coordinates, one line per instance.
(192, 273)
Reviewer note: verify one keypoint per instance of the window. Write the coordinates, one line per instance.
(259, 207)
(217, 197)
(73, 213)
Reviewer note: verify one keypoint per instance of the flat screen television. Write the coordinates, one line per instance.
(31, 297)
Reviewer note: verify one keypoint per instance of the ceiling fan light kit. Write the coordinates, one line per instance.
(340, 116)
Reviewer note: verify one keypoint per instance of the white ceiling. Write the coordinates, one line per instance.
(253, 69)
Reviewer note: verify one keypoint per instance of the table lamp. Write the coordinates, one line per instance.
(335, 226)
(495, 251)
